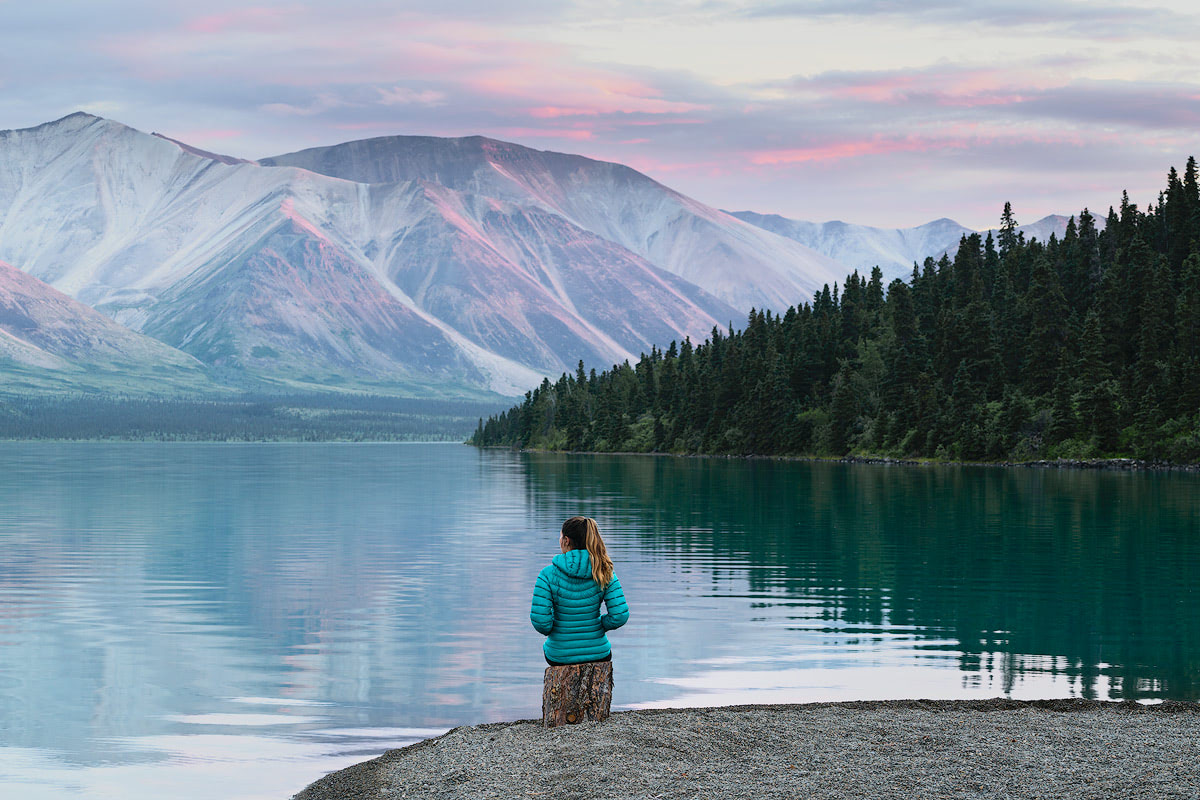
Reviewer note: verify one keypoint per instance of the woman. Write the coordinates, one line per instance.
(567, 596)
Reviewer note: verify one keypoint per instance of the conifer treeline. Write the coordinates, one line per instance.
(1078, 347)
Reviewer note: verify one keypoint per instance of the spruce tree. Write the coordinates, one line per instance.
(1154, 330)
(843, 412)
(1046, 309)
(1007, 238)
(1187, 337)
(1090, 271)
(1190, 188)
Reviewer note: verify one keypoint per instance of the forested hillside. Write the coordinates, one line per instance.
(1087, 346)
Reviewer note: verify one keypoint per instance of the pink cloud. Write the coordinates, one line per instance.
(884, 89)
(551, 112)
(672, 121)
(605, 103)
(953, 136)
(949, 87)
(255, 18)
(352, 59)
(834, 151)
(573, 90)
(574, 134)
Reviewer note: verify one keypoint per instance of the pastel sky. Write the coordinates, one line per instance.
(869, 111)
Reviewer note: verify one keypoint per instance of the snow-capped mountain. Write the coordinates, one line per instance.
(48, 340)
(304, 279)
(893, 250)
(734, 261)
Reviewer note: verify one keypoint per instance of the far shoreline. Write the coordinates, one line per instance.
(1085, 464)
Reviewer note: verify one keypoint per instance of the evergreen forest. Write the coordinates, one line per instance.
(1084, 346)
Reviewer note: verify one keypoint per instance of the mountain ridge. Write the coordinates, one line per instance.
(158, 234)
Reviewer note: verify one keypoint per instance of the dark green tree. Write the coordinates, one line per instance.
(1046, 308)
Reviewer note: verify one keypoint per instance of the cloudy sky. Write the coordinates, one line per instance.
(869, 111)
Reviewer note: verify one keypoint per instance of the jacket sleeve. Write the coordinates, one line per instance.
(541, 613)
(614, 603)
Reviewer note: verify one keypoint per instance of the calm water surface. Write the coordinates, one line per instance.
(232, 621)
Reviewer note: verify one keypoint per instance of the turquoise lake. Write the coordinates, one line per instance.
(234, 620)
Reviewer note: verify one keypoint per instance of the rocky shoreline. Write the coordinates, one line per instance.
(1110, 464)
(887, 749)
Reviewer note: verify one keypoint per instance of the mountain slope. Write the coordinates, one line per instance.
(290, 277)
(48, 341)
(728, 258)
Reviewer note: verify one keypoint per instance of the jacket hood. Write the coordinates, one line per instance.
(575, 563)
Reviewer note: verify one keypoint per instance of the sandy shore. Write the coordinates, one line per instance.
(892, 749)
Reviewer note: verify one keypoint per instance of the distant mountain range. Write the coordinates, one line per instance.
(893, 250)
(402, 265)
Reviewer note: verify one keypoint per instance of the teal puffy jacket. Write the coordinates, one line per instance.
(566, 607)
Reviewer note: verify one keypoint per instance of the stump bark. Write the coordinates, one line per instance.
(577, 692)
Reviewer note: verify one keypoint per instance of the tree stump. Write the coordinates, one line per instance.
(577, 692)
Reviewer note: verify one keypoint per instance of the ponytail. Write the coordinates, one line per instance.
(585, 535)
(602, 565)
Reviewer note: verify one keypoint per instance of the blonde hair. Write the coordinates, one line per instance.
(584, 534)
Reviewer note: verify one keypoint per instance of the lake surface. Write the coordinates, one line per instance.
(232, 621)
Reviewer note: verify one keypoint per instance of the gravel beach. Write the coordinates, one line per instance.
(891, 749)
